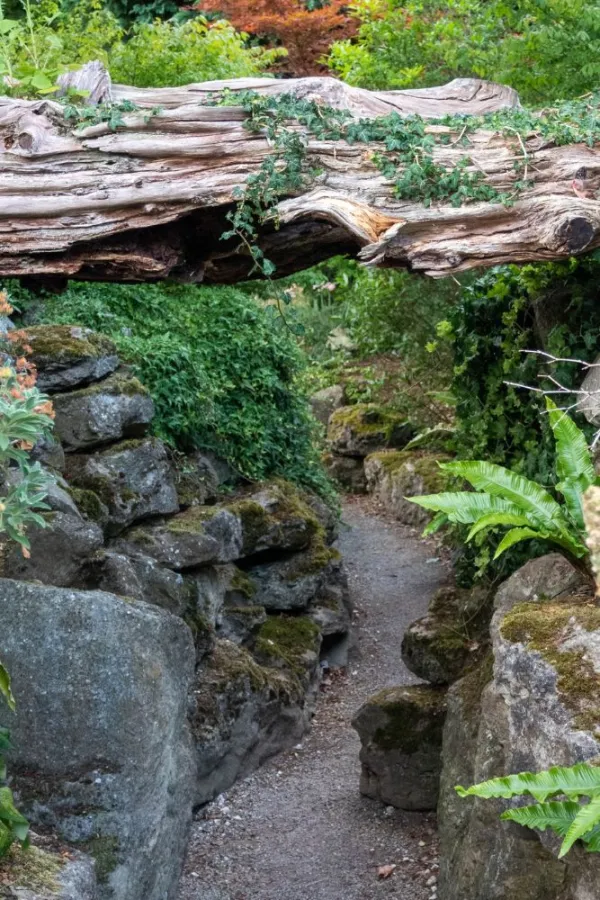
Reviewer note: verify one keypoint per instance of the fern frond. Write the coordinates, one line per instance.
(516, 535)
(557, 815)
(587, 818)
(492, 520)
(573, 457)
(465, 507)
(572, 781)
(529, 497)
(436, 523)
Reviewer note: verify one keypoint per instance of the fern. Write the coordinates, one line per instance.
(568, 818)
(507, 499)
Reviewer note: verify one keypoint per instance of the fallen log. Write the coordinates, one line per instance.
(146, 197)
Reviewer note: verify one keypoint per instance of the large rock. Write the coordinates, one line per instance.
(394, 475)
(103, 753)
(539, 709)
(294, 582)
(197, 479)
(139, 578)
(276, 517)
(118, 407)
(247, 710)
(347, 471)
(326, 401)
(401, 736)
(201, 535)
(133, 479)
(68, 356)
(451, 638)
(59, 552)
(546, 578)
(364, 428)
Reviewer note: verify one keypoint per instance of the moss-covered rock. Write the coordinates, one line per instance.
(38, 873)
(67, 356)
(289, 642)
(452, 638)
(347, 471)
(394, 475)
(366, 427)
(115, 408)
(401, 736)
(133, 479)
(277, 516)
(244, 712)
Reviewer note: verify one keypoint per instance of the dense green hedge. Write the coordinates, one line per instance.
(222, 372)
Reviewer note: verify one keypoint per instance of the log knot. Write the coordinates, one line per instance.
(574, 234)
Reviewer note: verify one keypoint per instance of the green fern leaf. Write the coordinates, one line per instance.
(573, 781)
(573, 457)
(493, 519)
(587, 818)
(436, 523)
(516, 535)
(557, 815)
(527, 496)
(465, 507)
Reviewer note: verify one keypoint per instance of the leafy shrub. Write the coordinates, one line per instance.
(568, 818)
(221, 370)
(509, 309)
(545, 49)
(505, 499)
(163, 54)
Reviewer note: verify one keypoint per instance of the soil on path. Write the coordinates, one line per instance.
(298, 829)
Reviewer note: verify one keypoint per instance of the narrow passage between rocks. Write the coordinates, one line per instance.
(298, 829)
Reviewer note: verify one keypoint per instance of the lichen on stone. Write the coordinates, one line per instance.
(88, 503)
(545, 627)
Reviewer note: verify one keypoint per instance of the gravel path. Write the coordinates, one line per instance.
(298, 829)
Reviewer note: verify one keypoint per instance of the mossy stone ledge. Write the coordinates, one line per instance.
(364, 428)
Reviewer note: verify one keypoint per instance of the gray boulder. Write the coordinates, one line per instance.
(394, 475)
(347, 471)
(294, 582)
(326, 401)
(246, 710)
(201, 535)
(68, 356)
(118, 407)
(197, 480)
(275, 517)
(103, 753)
(451, 638)
(241, 624)
(59, 552)
(401, 736)
(49, 452)
(366, 427)
(133, 479)
(139, 578)
(539, 708)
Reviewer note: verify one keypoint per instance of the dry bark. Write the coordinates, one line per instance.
(150, 201)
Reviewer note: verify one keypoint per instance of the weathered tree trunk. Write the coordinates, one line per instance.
(150, 201)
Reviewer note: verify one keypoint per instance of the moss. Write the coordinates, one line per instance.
(105, 850)
(364, 419)
(311, 561)
(58, 342)
(415, 717)
(33, 869)
(89, 503)
(124, 446)
(245, 611)
(192, 520)
(288, 639)
(99, 485)
(422, 464)
(242, 584)
(118, 384)
(289, 507)
(543, 627)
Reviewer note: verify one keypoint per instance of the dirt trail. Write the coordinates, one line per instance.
(298, 829)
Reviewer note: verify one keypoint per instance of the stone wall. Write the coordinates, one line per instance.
(165, 635)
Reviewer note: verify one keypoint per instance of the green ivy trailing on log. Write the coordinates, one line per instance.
(406, 156)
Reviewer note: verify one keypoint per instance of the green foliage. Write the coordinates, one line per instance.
(568, 818)
(167, 54)
(221, 370)
(543, 48)
(506, 498)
